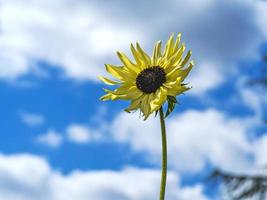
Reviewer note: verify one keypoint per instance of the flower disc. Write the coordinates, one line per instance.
(150, 79)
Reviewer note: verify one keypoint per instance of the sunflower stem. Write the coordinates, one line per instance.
(164, 156)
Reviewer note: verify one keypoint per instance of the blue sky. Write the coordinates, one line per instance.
(58, 141)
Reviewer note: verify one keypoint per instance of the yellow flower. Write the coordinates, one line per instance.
(149, 82)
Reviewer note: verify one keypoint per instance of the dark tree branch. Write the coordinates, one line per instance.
(242, 186)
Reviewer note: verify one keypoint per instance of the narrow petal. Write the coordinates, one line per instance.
(120, 73)
(108, 81)
(124, 89)
(145, 108)
(173, 83)
(105, 97)
(151, 98)
(161, 96)
(135, 104)
(127, 92)
(167, 64)
(185, 72)
(168, 47)
(138, 58)
(179, 55)
(134, 93)
(178, 72)
(177, 43)
(146, 58)
(172, 75)
(156, 53)
(173, 72)
(111, 96)
(126, 61)
(177, 90)
(187, 57)
(175, 59)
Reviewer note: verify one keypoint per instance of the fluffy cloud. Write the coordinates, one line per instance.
(206, 78)
(28, 177)
(260, 151)
(51, 138)
(32, 119)
(261, 15)
(79, 43)
(75, 133)
(81, 134)
(45, 30)
(195, 138)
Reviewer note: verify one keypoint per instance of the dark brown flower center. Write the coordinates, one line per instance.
(150, 79)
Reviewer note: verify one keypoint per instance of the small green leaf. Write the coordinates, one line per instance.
(172, 99)
(156, 113)
(184, 84)
(126, 110)
(171, 106)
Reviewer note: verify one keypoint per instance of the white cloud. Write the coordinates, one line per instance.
(206, 76)
(261, 15)
(209, 136)
(12, 64)
(81, 134)
(75, 133)
(71, 37)
(253, 97)
(79, 43)
(78, 134)
(28, 177)
(261, 151)
(32, 119)
(195, 138)
(51, 139)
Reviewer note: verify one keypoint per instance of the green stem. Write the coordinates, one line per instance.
(164, 156)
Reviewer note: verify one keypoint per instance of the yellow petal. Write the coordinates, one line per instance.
(161, 96)
(177, 42)
(173, 83)
(173, 61)
(111, 96)
(138, 58)
(177, 90)
(178, 72)
(185, 72)
(124, 89)
(120, 73)
(126, 61)
(151, 98)
(167, 64)
(134, 93)
(169, 46)
(156, 53)
(126, 92)
(106, 97)
(145, 108)
(135, 104)
(174, 74)
(187, 57)
(178, 56)
(108, 81)
(146, 58)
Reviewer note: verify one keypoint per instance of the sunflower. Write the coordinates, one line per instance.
(148, 82)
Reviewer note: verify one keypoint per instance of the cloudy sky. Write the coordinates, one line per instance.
(59, 142)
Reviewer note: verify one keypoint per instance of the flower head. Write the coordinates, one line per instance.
(148, 82)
